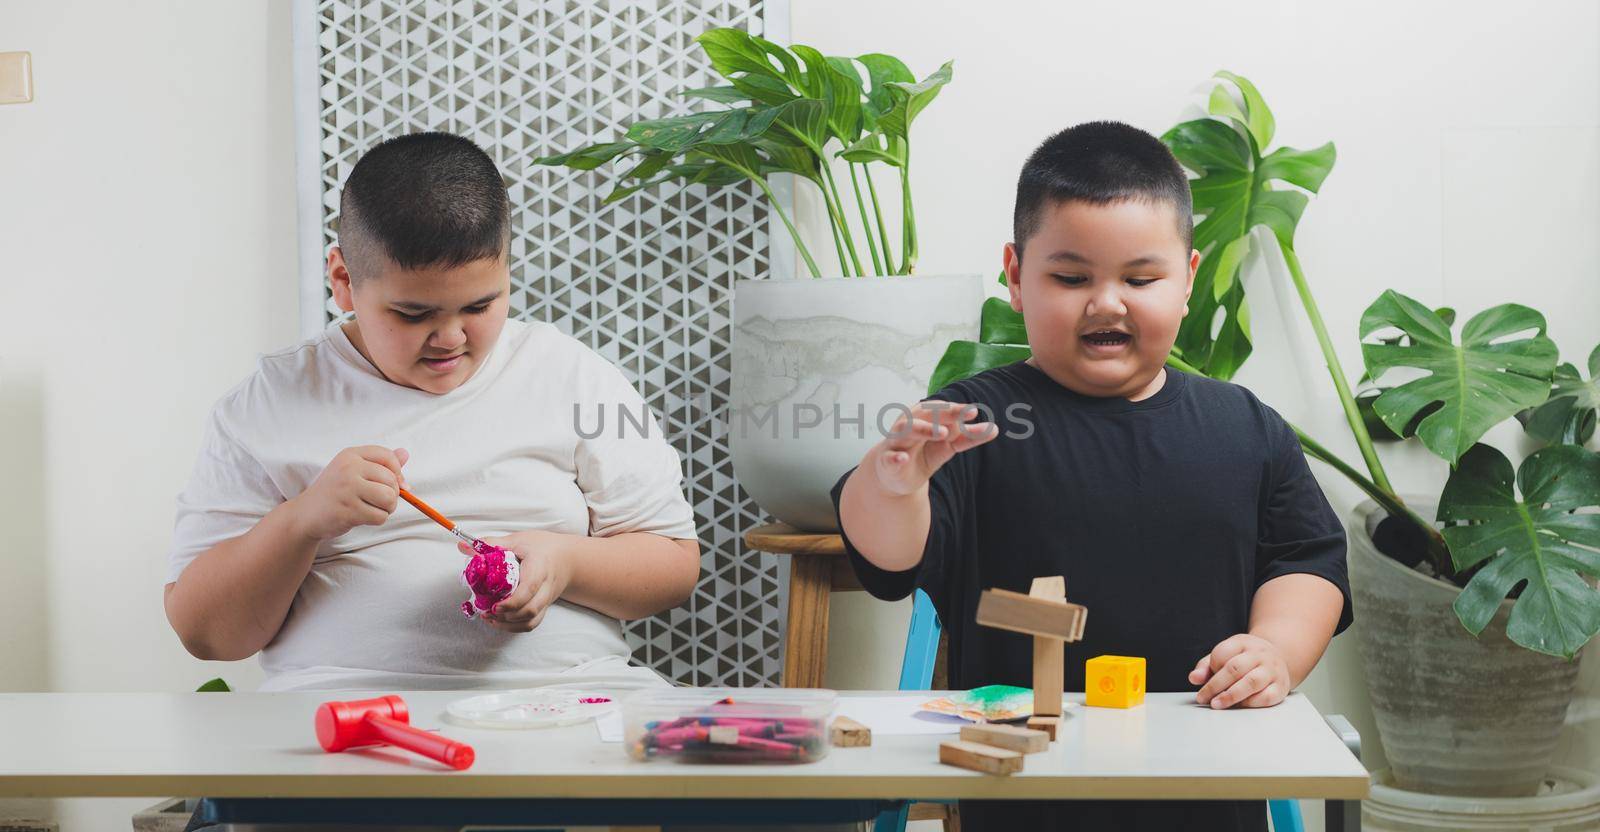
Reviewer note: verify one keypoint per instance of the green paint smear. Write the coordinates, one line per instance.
(993, 697)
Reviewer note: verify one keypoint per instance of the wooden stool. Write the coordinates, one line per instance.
(817, 567)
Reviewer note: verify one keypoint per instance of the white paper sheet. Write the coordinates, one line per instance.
(898, 715)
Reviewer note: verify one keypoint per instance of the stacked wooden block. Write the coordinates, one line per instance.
(995, 749)
(1044, 614)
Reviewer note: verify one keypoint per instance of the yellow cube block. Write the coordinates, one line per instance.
(1114, 681)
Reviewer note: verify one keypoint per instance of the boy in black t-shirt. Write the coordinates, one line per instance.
(1180, 509)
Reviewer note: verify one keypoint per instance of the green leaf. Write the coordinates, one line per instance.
(1218, 353)
(1538, 541)
(876, 147)
(1279, 211)
(705, 171)
(740, 157)
(807, 120)
(721, 95)
(1233, 342)
(676, 133)
(1233, 193)
(764, 89)
(1379, 431)
(814, 80)
(679, 133)
(588, 158)
(881, 71)
(1221, 104)
(785, 154)
(1570, 414)
(1227, 266)
(908, 100)
(839, 89)
(653, 162)
(845, 114)
(1305, 168)
(1257, 117)
(1478, 383)
(966, 358)
(217, 685)
(735, 51)
(1000, 324)
(847, 69)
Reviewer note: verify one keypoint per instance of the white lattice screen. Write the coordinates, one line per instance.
(647, 282)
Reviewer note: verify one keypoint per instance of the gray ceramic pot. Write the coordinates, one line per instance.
(820, 370)
(1457, 715)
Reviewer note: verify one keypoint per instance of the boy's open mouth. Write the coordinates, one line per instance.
(1107, 338)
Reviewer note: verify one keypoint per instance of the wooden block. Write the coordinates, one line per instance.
(847, 733)
(1049, 675)
(1047, 724)
(1053, 588)
(1009, 737)
(1020, 613)
(979, 757)
(724, 734)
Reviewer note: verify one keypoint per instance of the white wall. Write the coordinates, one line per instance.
(147, 244)
(1468, 174)
(147, 255)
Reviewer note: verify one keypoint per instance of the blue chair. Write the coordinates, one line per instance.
(916, 673)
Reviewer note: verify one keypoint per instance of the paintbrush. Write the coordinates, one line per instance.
(433, 514)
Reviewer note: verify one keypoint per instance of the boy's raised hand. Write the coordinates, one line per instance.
(359, 487)
(1245, 670)
(543, 575)
(925, 439)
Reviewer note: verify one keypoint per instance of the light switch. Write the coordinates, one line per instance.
(16, 77)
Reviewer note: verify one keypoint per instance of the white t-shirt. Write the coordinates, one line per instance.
(504, 452)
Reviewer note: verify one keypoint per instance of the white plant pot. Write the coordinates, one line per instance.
(1568, 800)
(1457, 715)
(820, 368)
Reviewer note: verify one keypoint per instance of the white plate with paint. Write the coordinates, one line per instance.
(532, 708)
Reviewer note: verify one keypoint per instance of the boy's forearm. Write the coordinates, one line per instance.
(1298, 614)
(232, 599)
(629, 576)
(888, 530)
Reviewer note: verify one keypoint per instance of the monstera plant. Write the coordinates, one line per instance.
(1532, 534)
(839, 127)
(788, 110)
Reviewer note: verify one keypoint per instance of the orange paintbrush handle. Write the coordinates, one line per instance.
(427, 509)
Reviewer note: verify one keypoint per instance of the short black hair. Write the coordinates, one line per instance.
(1100, 162)
(427, 199)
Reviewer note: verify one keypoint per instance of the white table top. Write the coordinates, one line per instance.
(263, 745)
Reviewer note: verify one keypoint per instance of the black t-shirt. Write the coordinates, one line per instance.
(1164, 516)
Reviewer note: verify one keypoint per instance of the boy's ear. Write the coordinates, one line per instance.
(1194, 268)
(1013, 265)
(339, 280)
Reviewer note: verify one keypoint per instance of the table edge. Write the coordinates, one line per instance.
(745, 786)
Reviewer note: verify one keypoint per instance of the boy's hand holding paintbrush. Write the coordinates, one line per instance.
(359, 487)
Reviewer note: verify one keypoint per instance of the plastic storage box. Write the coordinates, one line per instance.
(728, 725)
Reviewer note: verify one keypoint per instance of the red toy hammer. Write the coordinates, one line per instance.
(384, 721)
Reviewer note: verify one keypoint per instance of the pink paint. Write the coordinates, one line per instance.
(593, 700)
(491, 574)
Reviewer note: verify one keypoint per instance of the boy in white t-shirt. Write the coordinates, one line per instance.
(288, 538)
